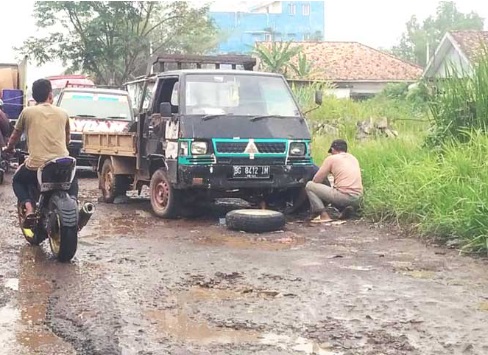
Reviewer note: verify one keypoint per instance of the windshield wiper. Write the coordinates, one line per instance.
(209, 117)
(84, 116)
(117, 117)
(256, 118)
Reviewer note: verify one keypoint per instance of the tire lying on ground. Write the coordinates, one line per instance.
(255, 221)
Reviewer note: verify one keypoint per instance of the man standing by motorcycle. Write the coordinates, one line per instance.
(47, 131)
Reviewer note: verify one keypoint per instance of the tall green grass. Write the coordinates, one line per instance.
(442, 194)
(439, 196)
(460, 104)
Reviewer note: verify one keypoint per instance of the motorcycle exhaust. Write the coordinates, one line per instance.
(86, 211)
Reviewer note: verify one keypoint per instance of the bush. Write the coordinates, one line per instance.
(345, 113)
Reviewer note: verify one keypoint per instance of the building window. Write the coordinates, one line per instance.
(292, 9)
(268, 37)
(306, 9)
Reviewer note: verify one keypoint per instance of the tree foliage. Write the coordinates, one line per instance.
(286, 59)
(418, 36)
(112, 40)
(277, 57)
(303, 68)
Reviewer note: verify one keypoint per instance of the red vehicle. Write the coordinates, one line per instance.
(59, 82)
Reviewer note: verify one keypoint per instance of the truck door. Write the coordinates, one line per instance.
(154, 127)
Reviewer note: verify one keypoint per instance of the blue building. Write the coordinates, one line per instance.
(270, 20)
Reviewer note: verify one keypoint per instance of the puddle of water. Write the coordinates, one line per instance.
(8, 316)
(35, 287)
(307, 263)
(420, 274)
(243, 241)
(209, 294)
(200, 293)
(357, 268)
(300, 344)
(177, 324)
(483, 306)
(13, 284)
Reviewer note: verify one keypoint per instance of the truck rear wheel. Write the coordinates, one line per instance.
(164, 198)
(112, 185)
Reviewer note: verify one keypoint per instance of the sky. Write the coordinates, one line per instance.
(378, 23)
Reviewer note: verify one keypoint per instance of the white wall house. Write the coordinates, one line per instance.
(457, 52)
(356, 70)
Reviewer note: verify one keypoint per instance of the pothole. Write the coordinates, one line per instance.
(270, 242)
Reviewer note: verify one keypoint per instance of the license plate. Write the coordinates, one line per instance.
(250, 172)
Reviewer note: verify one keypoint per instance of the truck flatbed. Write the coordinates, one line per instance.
(110, 143)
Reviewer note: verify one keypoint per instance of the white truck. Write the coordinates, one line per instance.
(93, 109)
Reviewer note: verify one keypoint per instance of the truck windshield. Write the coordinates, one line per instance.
(97, 105)
(234, 94)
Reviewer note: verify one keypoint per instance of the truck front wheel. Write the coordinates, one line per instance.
(164, 198)
(112, 185)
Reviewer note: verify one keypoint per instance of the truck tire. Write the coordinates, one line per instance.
(255, 221)
(165, 199)
(112, 185)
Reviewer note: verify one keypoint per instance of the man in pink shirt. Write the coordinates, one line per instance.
(347, 189)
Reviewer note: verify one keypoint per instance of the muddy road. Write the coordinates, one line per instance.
(140, 285)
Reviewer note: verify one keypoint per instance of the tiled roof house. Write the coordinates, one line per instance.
(355, 68)
(458, 51)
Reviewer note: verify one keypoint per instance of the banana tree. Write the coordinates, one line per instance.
(277, 57)
(303, 68)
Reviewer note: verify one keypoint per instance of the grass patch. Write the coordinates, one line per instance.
(444, 196)
(440, 193)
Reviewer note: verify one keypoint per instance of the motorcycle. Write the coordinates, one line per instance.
(57, 216)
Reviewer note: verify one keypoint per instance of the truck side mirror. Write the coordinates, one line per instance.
(165, 109)
(135, 111)
(318, 97)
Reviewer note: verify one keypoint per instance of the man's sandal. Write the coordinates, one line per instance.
(320, 220)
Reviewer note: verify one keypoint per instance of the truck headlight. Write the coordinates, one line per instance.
(198, 148)
(297, 148)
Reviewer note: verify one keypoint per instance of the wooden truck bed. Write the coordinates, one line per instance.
(121, 144)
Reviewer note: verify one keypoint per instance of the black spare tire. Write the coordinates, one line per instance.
(255, 221)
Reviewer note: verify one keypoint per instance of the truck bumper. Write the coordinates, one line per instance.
(219, 177)
(82, 159)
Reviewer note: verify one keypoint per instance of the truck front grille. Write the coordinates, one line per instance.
(240, 147)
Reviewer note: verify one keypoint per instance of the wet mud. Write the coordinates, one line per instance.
(141, 285)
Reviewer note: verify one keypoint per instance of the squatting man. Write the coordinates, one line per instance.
(347, 190)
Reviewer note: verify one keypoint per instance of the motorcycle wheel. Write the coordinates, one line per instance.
(62, 230)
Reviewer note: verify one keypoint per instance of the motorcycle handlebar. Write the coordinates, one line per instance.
(15, 154)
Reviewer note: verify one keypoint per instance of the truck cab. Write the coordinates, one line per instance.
(208, 133)
(93, 109)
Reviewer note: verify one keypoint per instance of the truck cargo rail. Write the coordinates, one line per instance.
(198, 61)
